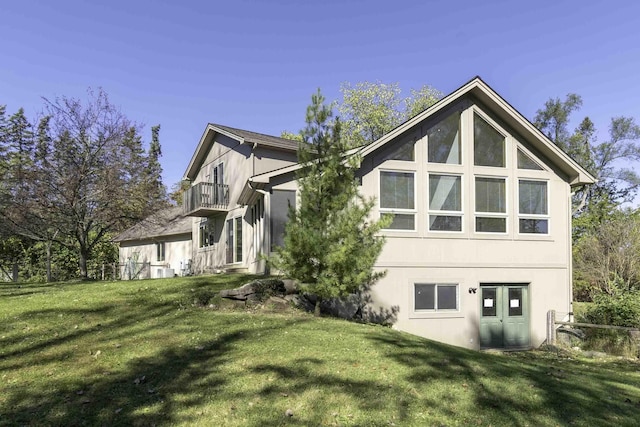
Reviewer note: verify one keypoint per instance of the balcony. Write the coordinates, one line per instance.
(205, 199)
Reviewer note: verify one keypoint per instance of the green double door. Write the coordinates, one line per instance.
(504, 316)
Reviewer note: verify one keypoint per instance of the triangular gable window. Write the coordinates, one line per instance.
(489, 144)
(405, 150)
(526, 162)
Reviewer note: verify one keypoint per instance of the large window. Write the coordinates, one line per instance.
(436, 296)
(160, 254)
(397, 198)
(488, 144)
(445, 202)
(206, 233)
(234, 240)
(443, 141)
(281, 200)
(533, 207)
(491, 205)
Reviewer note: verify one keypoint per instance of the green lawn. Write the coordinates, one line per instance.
(138, 353)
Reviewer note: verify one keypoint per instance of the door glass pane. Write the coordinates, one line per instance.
(447, 299)
(443, 141)
(396, 190)
(532, 196)
(489, 302)
(488, 148)
(238, 239)
(445, 193)
(424, 296)
(491, 195)
(515, 302)
(229, 241)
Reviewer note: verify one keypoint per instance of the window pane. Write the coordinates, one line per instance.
(515, 302)
(491, 195)
(396, 190)
(447, 299)
(488, 149)
(425, 297)
(444, 141)
(402, 222)
(534, 226)
(238, 239)
(526, 162)
(491, 225)
(280, 202)
(533, 197)
(445, 193)
(489, 302)
(445, 223)
(405, 150)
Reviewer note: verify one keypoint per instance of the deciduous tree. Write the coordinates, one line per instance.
(87, 174)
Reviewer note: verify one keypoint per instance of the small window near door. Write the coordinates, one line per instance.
(436, 296)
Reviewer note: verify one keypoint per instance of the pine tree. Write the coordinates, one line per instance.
(330, 243)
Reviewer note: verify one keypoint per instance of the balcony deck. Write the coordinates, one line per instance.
(205, 199)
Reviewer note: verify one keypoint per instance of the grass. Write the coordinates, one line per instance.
(139, 353)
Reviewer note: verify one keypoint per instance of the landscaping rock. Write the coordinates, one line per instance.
(257, 290)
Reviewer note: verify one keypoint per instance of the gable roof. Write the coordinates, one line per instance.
(501, 108)
(484, 93)
(167, 222)
(240, 135)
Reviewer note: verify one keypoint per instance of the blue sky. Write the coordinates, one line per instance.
(255, 64)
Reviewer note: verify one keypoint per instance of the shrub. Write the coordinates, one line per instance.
(620, 310)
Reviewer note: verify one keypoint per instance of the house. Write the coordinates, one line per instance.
(479, 249)
(235, 224)
(159, 246)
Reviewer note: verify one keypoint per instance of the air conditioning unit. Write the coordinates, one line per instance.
(165, 273)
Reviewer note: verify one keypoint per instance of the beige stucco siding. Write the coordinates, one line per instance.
(241, 161)
(547, 291)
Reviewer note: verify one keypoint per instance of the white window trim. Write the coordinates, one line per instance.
(546, 216)
(413, 211)
(435, 314)
(446, 213)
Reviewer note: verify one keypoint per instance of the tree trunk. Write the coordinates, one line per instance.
(316, 311)
(83, 263)
(49, 262)
(15, 271)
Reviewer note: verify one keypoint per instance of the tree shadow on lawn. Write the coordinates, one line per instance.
(567, 391)
(147, 391)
